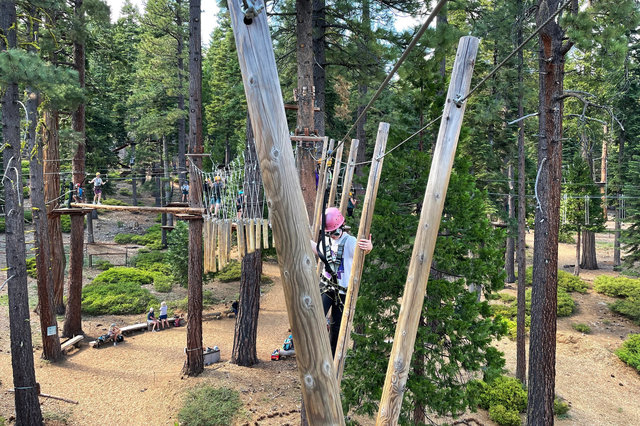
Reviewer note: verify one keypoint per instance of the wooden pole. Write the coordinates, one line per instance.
(251, 236)
(205, 243)
(358, 256)
(288, 216)
(265, 233)
(258, 233)
(348, 176)
(214, 242)
(228, 234)
(241, 244)
(317, 207)
(433, 204)
(221, 250)
(177, 210)
(336, 175)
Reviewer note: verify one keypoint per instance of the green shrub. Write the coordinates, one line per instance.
(178, 252)
(571, 283)
(206, 405)
(506, 311)
(582, 328)
(124, 275)
(28, 216)
(505, 391)
(114, 202)
(506, 297)
(504, 417)
(630, 351)
(629, 307)
(208, 298)
(566, 237)
(152, 238)
(115, 298)
(32, 271)
(560, 407)
(162, 283)
(231, 272)
(145, 258)
(65, 223)
(103, 265)
(124, 238)
(125, 192)
(617, 286)
(26, 192)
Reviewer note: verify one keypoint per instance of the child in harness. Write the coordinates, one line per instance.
(339, 248)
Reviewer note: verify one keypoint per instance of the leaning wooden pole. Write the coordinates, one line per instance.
(433, 204)
(348, 176)
(322, 179)
(358, 256)
(288, 216)
(336, 175)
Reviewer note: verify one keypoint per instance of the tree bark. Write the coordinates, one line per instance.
(576, 267)
(319, 74)
(24, 380)
(305, 163)
(363, 87)
(134, 182)
(195, 360)
(73, 316)
(52, 192)
(50, 342)
(589, 260)
(542, 347)
(618, 225)
(521, 357)
(511, 211)
(182, 132)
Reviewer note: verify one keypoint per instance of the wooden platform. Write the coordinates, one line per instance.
(175, 210)
(73, 210)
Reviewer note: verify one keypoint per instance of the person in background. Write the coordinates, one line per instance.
(114, 333)
(98, 183)
(216, 194)
(351, 204)
(151, 319)
(163, 315)
(239, 202)
(185, 191)
(78, 194)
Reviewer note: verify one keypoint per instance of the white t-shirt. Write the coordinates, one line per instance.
(344, 271)
(163, 309)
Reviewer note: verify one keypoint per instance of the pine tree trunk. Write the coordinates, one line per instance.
(134, 182)
(50, 343)
(182, 124)
(576, 267)
(363, 87)
(195, 360)
(511, 210)
(542, 347)
(244, 340)
(521, 357)
(27, 406)
(618, 225)
(589, 260)
(319, 75)
(73, 316)
(52, 192)
(418, 362)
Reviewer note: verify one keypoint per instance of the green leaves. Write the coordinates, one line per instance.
(59, 85)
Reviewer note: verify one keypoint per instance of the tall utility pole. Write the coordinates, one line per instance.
(195, 359)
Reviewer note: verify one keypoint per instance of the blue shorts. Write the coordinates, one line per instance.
(162, 317)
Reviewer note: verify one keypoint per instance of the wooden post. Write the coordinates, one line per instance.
(317, 207)
(336, 175)
(433, 204)
(251, 236)
(220, 225)
(228, 234)
(358, 256)
(214, 242)
(241, 243)
(265, 233)
(348, 176)
(288, 216)
(205, 243)
(258, 233)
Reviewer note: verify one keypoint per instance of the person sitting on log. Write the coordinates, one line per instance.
(115, 334)
(339, 248)
(151, 319)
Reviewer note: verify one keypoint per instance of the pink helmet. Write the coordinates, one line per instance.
(334, 219)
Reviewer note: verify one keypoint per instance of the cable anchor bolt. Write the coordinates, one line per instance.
(250, 10)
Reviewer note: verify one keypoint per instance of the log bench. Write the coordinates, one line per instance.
(71, 342)
(172, 323)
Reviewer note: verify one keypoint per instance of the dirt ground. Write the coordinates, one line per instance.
(139, 381)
